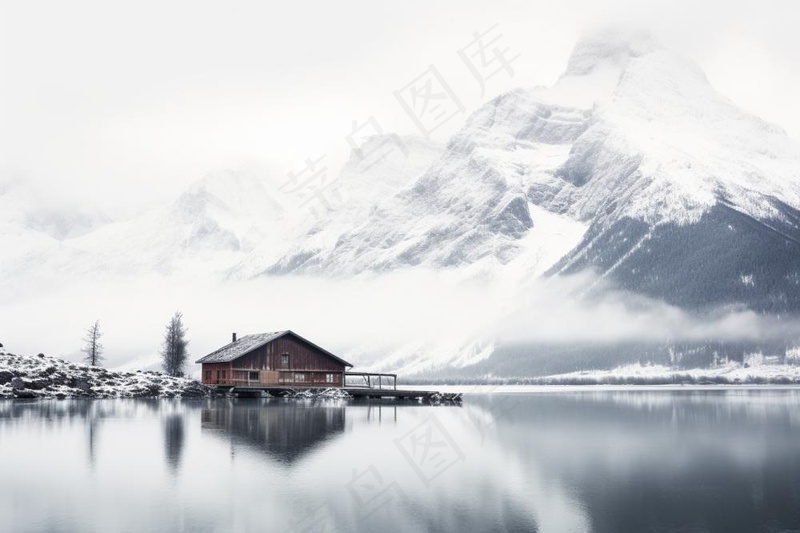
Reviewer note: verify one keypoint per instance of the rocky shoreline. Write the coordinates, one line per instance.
(48, 377)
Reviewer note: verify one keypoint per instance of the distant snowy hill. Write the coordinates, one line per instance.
(208, 227)
(33, 232)
(230, 224)
(200, 233)
(23, 207)
(17, 237)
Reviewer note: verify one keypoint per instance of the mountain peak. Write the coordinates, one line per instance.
(608, 47)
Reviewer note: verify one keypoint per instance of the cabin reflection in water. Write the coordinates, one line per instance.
(284, 430)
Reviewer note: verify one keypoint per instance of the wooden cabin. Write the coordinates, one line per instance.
(277, 359)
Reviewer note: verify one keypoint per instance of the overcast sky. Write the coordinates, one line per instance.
(122, 104)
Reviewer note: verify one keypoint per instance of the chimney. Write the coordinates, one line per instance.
(233, 337)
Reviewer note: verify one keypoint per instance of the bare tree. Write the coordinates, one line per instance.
(93, 349)
(174, 351)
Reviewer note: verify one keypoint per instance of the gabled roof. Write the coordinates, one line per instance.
(248, 343)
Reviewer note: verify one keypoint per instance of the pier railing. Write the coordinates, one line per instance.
(370, 380)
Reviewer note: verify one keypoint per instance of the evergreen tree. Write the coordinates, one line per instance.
(93, 349)
(174, 353)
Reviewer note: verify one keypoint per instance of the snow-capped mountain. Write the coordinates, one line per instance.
(684, 197)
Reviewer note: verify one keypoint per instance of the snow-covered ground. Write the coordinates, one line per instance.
(47, 377)
(729, 373)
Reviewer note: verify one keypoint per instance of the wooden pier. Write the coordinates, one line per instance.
(404, 394)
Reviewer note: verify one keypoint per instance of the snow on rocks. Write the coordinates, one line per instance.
(334, 393)
(310, 394)
(48, 377)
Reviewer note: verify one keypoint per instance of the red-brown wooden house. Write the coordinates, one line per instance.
(280, 358)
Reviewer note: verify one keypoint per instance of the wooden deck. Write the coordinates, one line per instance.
(395, 393)
(359, 385)
(355, 392)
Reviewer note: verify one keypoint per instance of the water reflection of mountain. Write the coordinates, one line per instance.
(284, 430)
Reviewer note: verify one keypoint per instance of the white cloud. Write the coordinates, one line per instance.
(123, 105)
(384, 312)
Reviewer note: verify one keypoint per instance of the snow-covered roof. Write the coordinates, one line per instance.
(248, 343)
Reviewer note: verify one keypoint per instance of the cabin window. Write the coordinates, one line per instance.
(299, 378)
(253, 376)
(329, 378)
(223, 374)
(285, 361)
(208, 375)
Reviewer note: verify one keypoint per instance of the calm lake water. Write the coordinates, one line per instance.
(574, 460)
